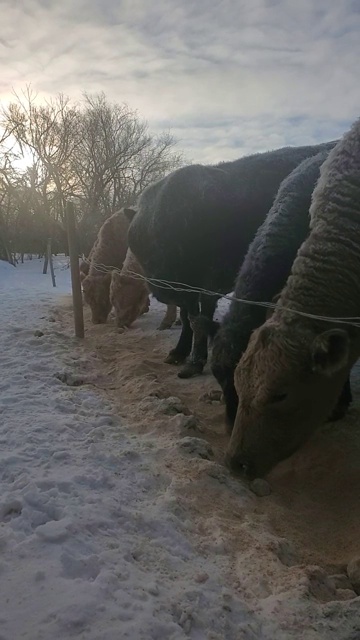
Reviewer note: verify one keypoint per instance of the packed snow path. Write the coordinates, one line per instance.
(87, 546)
(94, 543)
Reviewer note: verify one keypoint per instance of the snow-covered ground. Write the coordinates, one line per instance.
(93, 543)
(86, 548)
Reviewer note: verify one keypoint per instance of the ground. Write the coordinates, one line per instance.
(117, 517)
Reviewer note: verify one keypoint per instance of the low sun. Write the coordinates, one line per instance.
(23, 161)
(21, 158)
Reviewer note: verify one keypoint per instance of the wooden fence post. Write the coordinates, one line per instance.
(49, 257)
(75, 271)
(46, 262)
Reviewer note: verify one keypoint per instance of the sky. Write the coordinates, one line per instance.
(226, 77)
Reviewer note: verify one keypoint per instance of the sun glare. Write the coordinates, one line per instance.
(23, 161)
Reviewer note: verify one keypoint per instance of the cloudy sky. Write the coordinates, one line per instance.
(227, 77)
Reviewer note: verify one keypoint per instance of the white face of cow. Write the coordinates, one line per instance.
(288, 381)
(129, 297)
(96, 293)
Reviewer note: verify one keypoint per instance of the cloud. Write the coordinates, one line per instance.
(228, 77)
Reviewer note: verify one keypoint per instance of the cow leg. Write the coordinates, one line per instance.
(343, 402)
(231, 403)
(223, 368)
(201, 325)
(169, 317)
(183, 347)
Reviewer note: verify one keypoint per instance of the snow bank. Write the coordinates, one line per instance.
(87, 544)
(5, 268)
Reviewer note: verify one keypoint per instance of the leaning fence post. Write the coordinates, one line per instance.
(75, 272)
(49, 256)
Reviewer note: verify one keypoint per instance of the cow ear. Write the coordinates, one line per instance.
(130, 213)
(270, 310)
(330, 351)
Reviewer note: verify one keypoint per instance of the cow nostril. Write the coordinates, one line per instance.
(238, 464)
(245, 468)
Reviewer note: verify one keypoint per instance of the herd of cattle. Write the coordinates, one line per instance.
(281, 226)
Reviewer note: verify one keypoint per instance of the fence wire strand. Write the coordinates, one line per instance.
(181, 287)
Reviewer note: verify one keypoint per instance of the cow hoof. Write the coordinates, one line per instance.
(191, 369)
(164, 325)
(175, 358)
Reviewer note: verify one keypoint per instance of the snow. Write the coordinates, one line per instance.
(87, 548)
(94, 542)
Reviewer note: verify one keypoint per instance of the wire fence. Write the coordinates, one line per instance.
(181, 287)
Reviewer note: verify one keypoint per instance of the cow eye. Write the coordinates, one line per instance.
(278, 397)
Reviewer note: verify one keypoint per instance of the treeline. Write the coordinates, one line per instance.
(98, 154)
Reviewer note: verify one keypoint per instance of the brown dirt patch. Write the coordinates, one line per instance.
(312, 516)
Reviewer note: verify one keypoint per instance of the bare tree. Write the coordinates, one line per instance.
(153, 162)
(99, 154)
(117, 157)
(51, 133)
(7, 209)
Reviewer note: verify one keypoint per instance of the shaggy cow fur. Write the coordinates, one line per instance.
(263, 274)
(84, 265)
(130, 296)
(292, 372)
(109, 250)
(194, 227)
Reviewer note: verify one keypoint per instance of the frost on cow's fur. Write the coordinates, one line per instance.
(264, 271)
(84, 265)
(295, 366)
(129, 295)
(109, 250)
(194, 227)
